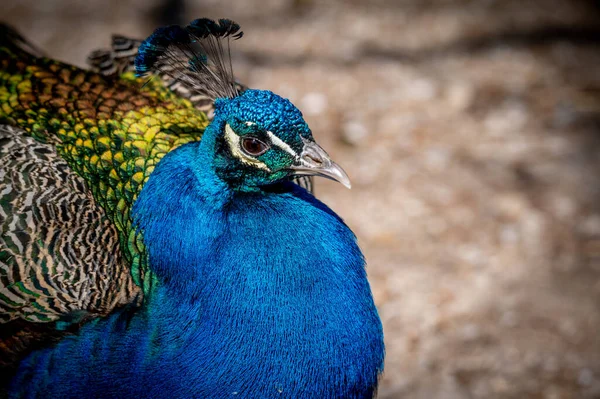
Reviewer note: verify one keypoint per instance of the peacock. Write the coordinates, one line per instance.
(159, 237)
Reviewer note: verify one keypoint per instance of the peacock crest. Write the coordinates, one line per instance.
(197, 56)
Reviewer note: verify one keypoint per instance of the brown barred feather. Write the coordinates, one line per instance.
(60, 259)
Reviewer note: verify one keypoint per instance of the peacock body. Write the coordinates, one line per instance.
(152, 242)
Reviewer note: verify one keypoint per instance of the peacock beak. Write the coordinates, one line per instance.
(314, 161)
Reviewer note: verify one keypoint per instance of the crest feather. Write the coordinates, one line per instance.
(198, 56)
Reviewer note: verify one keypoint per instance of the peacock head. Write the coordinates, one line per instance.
(257, 137)
(264, 139)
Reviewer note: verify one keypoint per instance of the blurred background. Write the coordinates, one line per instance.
(471, 132)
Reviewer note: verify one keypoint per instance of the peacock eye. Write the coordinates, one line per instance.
(253, 146)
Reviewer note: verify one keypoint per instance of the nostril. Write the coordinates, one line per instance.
(317, 161)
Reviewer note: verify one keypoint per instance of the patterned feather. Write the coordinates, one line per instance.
(60, 260)
(118, 60)
(45, 206)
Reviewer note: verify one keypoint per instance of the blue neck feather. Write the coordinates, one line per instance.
(261, 295)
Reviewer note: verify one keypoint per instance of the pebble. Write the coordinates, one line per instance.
(586, 377)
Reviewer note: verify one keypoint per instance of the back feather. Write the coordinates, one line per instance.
(60, 260)
(118, 60)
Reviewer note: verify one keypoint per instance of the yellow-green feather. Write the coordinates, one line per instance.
(111, 131)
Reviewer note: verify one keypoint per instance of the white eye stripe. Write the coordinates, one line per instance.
(281, 144)
(277, 141)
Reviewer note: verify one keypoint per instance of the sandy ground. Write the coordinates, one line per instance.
(471, 131)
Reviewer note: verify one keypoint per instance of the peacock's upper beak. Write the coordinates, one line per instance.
(314, 161)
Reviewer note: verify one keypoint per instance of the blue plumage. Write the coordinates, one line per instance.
(261, 289)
